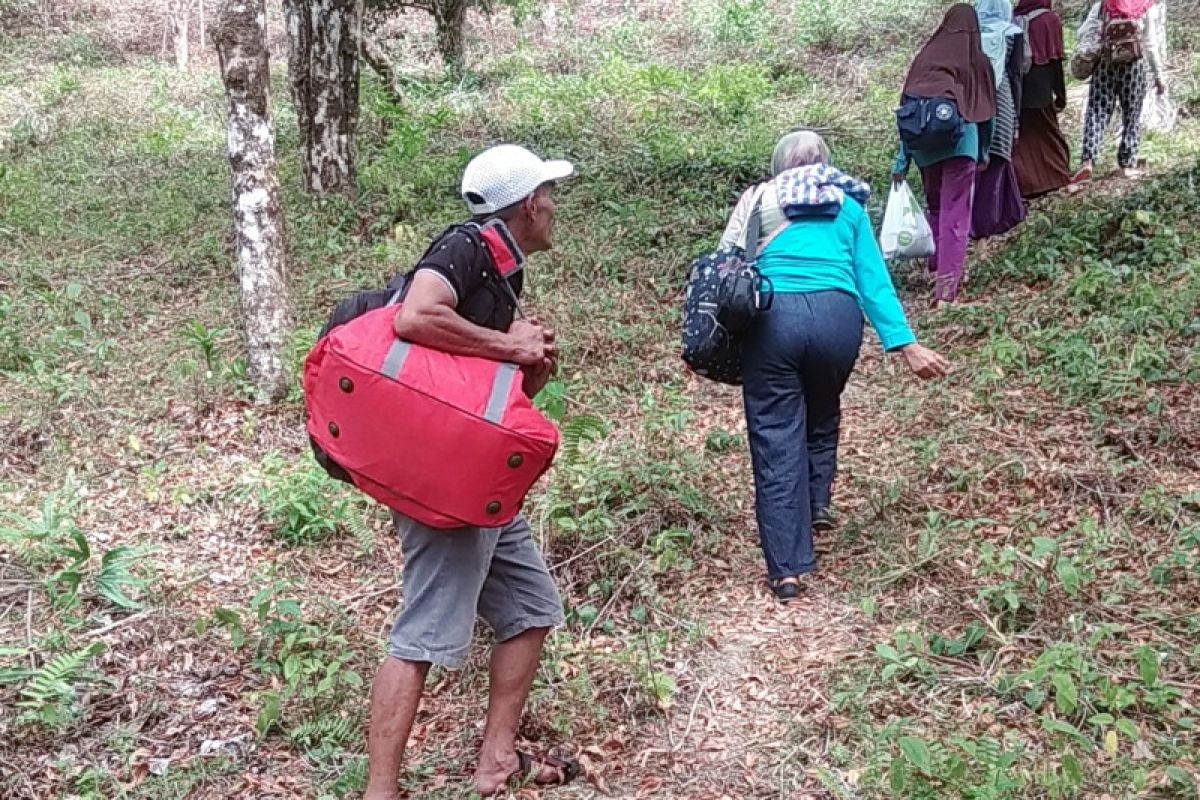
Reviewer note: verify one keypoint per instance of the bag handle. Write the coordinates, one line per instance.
(754, 225)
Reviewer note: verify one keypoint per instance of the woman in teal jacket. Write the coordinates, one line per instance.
(820, 254)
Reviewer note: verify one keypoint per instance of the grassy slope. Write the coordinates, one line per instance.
(1020, 548)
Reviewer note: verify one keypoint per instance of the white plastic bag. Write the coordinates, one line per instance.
(906, 232)
(1158, 113)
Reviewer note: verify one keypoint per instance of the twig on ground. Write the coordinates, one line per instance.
(365, 595)
(29, 629)
(577, 556)
(112, 626)
(897, 574)
(692, 714)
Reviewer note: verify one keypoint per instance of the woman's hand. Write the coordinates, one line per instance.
(898, 178)
(924, 362)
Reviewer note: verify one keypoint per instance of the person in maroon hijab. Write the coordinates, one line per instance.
(1042, 156)
(952, 65)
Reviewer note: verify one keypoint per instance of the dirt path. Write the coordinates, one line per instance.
(755, 706)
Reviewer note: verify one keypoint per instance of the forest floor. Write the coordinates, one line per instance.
(189, 608)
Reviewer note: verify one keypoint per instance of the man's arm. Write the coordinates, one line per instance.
(428, 318)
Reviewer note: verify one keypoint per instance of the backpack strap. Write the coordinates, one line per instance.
(497, 242)
(506, 257)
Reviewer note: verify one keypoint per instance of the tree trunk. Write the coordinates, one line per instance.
(241, 40)
(203, 26)
(323, 74)
(549, 20)
(450, 18)
(180, 10)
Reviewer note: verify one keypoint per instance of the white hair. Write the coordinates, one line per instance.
(799, 149)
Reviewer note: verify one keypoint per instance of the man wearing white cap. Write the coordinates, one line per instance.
(461, 299)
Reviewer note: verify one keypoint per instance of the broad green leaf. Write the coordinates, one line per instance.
(1179, 775)
(1044, 545)
(1072, 769)
(268, 714)
(1066, 695)
(291, 667)
(917, 753)
(1128, 728)
(1059, 726)
(1147, 661)
(664, 686)
(1101, 719)
(1068, 574)
(886, 651)
(898, 776)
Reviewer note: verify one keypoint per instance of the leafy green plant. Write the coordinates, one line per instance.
(48, 696)
(205, 341)
(307, 657)
(51, 541)
(303, 503)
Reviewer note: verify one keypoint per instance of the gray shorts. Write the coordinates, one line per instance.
(450, 577)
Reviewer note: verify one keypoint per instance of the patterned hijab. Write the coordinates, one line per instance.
(952, 65)
(817, 190)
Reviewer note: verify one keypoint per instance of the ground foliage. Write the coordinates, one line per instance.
(188, 607)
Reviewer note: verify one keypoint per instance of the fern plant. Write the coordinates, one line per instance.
(49, 694)
(358, 523)
(579, 430)
(325, 730)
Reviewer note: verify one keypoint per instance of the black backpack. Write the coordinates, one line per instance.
(929, 123)
(725, 293)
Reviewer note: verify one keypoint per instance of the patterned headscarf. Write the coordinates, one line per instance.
(817, 190)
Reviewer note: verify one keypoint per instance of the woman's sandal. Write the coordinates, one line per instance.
(529, 767)
(785, 589)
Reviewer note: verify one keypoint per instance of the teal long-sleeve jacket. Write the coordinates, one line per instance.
(822, 253)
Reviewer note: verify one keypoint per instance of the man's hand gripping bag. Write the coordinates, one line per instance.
(451, 441)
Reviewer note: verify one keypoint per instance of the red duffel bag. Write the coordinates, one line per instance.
(451, 441)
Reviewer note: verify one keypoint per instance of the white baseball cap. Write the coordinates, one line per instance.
(506, 174)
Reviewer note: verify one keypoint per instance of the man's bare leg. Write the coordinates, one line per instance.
(395, 697)
(514, 663)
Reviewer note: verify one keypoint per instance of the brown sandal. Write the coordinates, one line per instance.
(568, 769)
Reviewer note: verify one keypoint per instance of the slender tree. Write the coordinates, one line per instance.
(323, 74)
(241, 40)
(179, 12)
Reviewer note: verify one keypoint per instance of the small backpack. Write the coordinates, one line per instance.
(1023, 21)
(1122, 40)
(725, 294)
(929, 123)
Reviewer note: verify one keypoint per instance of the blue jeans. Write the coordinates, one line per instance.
(797, 359)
